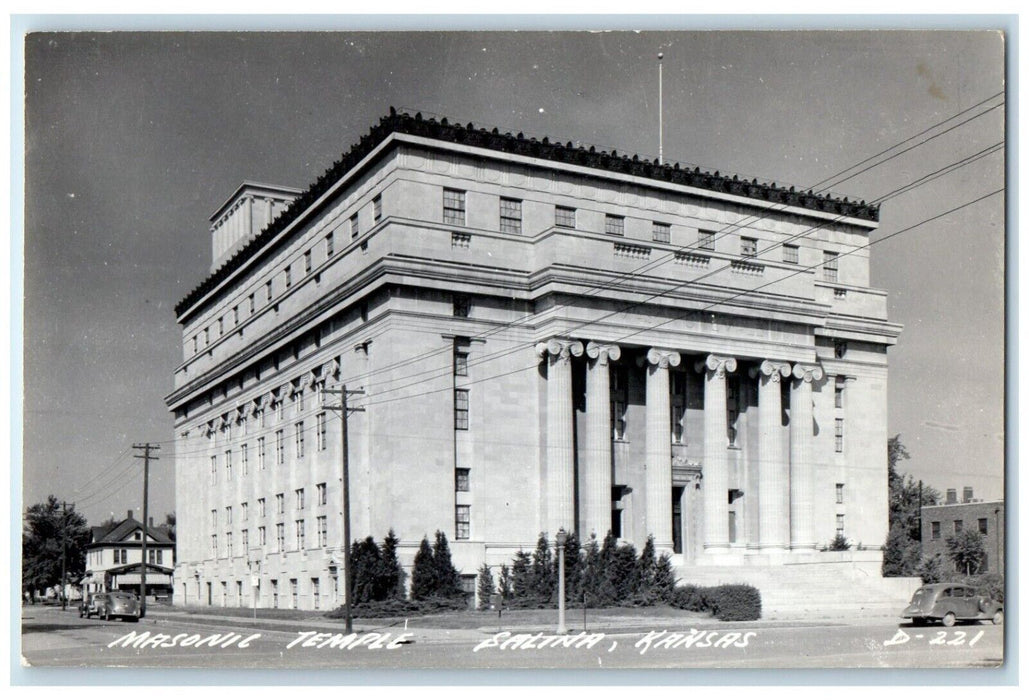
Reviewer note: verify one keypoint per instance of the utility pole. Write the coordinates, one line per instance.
(146, 457)
(64, 539)
(344, 413)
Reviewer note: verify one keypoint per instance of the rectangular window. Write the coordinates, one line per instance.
(221, 326)
(839, 523)
(838, 396)
(300, 534)
(323, 531)
(748, 247)
(460, 409)
(289, 276)
(299, 428)
(262, 536)
(280, 503)
(244, 460)
(196, 345)
(959, 525)
(268, 291)
(316, 593)
(791, 254)
(377, 208)
(252, 302)
(984, 527)
(463, 523)
(244, 510)
(228, 466)
(564, 217)
(260, 453)
(160, 556)
(320, 418)
(732, 407)
(935, 528)
(706, 240)
(460, 363)
(294, 592)
(280, 536)
(510, 215)
(839, 493)
(235, 316)
(618, 420)
(830, 266)
(839, 435)
(355, 226)
(462, 305)
(614, 225)
(214, 469)
(307, 261)
(299, 493)
(228, 515)
(261, 509)
(280, 448)
(228, 544)
(662, 232)
(677, 423)
(117, 556)
(461, 479)
(321, 494)
(214, 545)
(330, 244)
(453, 207)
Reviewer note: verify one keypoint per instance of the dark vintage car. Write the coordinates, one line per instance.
(118, 604)
(87, 608)
(950, 602)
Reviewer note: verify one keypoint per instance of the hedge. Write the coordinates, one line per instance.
(729, 602)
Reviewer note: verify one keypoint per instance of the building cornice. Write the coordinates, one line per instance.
(401, 123)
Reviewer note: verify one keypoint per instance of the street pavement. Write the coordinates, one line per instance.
(169, 638)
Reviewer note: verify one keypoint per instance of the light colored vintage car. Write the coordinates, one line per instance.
(118, 604)
(950, 602)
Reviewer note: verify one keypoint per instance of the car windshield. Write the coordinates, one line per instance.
(123, 596)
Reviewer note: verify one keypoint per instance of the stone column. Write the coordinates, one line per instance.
(773, 474)
(560, 469)
(802, 467)
(596, 484)
(716, 461)
(659, 447)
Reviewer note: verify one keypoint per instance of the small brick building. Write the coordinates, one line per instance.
(943, 521)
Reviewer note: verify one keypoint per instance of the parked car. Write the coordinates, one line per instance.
(118, 604)
(950, 602)
(87, 608)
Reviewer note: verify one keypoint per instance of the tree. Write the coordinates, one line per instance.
(423, 576)
(169, 525)
(931, 569)
(366, 583)
(544, 575)
(902, 551)
(46, 526)
(505, 584)
(392, 572)
(966, 550)
(485, 586)
(448, 579)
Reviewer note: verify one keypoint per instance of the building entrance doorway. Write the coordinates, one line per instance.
(677, 492)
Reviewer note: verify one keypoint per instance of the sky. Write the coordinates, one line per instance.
(134, 139)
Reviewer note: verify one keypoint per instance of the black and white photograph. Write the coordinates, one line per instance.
(499, 349)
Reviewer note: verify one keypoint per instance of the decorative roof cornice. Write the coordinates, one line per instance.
(443, 130)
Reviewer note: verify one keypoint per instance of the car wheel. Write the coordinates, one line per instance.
(998, 617)
(949, 619)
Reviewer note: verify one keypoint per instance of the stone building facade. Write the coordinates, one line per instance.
(548, 337)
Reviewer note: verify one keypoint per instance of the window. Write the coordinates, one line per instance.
(253, 303)
(377, 208)
(453, 207)
(320, 419)
(984, 527)
(280, 447)
(323, 531)
(830, 266)
(839, 523)
(732, 407)
(228, 515)
(196, 345)
(294, 592)
(355, 226)
(280, 536)
(275, 593)
(244, 510)
(462, 305)
(268, 290)
(280, 503)
(662, 232)
(461, 480)
(289, 276)
(959, 525)
(748, 247)
(299, 493)
(839, 349)
(235, 316)
(260, 453)
(564, 217)
(330, 244)
(117, 556)
(791, 254)
(614, 225)
(243, 459)
(510, 215)
(300, 534)
(935, 528)
(261, 509)
(214, 545)
(618, 420)
(677, 428)
(460, 409)
(839, 435)
(228, 544)
(228, 466)
(307, 261)
(463, 523)
(262, 539)
(299, 428)
(838, 394)
(160, 556)
(706, 240)
(839, 493)
(214, 469)
(320, 489)
(221, 326)
(460, 362)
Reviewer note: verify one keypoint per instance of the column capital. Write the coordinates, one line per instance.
(603, 352)
(773, 369)
(807, 373)
(562, 348)
(717, 364)
(659, 357)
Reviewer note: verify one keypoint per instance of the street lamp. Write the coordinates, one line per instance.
(561, 538)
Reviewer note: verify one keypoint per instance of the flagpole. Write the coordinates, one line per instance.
(660, 111)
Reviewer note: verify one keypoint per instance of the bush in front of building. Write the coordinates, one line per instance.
(485, 586)
(839, 543)
(434, 575)
(988, 585)
(728, 602)
(930, 570)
